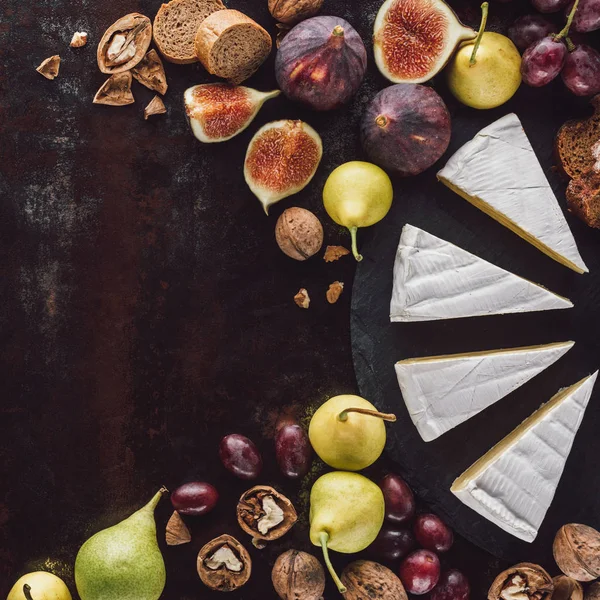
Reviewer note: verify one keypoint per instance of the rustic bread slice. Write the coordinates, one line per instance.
(231, 45)
(583, 197)
(175, 26)
(574, 142)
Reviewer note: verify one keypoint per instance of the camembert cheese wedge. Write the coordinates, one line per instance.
(499, 173)
(441, 392)
(514, 483)
(434, 279)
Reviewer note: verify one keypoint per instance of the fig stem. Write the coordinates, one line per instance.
(564, 32)
(324, 538)
(343, 416)
(338, 30)
(353, 231)
(484, 16)
(27, 592)
(381, 121)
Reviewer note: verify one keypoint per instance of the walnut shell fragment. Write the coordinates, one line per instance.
(177, 532)
(299, 233)
(224, 564)
(50, 67)
(334, 292)
(577, 551)
(124, 43)
(151, 72)
(291, 12)
(298, 575)
(265, 514)
(79, 39)
(593, 592)
(115, 91)
(155, 107)
(302, 299)
(566, 588)
(333, 253)
(525, 580)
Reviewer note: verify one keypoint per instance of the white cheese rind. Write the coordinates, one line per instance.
(499, 167)
(443, 392)
(434, 279)
(514, 484)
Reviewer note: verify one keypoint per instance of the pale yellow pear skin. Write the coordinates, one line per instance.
(493, 79)
(349, 445)
(349, 508)
(44, 586)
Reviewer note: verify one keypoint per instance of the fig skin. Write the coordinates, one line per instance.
(406, 129)
(321, 63)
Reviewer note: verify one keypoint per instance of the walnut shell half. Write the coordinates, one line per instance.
(577, 551)
(265, 514)
(224, 564)
(124, 43)
(524, 580)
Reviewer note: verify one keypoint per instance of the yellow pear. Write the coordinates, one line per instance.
(485, 72)
(39, 585)
(348, 432)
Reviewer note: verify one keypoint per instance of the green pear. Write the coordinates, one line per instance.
(346, 514)
(39, 585)
(124, 561)
(348, 432)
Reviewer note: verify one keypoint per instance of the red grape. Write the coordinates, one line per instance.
(453, 585)
(240, 456)
(432, 533)
(399, 499)
(543, 61)
(529, 29)
(195, 498)
(293, 451)
(420, 572)
(549, 6)
(392, 543)
(581, 72)
(587, 16)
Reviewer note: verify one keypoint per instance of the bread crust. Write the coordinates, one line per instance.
(211, 30)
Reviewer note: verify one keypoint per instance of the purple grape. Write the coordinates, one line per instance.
(392, 543)
(543, 61)
(587, 16)
(240, 456)
(529, 29)
(432, 533)
(549, 6)
(453, 585)
(581, 72)
(399, 499)
(420, 572)
(195, 498)
(293, 451)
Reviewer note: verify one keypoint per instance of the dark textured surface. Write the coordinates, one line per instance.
(146, 309)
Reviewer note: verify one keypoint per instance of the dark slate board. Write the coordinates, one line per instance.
(377, 343)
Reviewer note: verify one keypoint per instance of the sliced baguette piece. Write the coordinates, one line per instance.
(175, 26)
(231, 45)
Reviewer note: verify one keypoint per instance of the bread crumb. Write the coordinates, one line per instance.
(155, 107)
(79, 39)
(50, 67)
(302, 299)
(334, 292)
(333, 253)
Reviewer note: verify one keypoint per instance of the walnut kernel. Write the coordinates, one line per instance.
(79, 39)
(334, 292)
(333, 253)
(302, 299)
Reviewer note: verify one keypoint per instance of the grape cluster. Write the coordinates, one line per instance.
(548, 53)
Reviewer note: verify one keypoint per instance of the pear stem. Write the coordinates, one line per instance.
(353, 231)
(484, 16)
(564, 32)
(343, 416)
(27, 592)
(324, 538)
(156, 498)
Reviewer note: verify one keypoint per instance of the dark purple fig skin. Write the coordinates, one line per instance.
(587, 16)
(293, 451)
(529, 29)
(318, 68)
(406, 128)
(581, 71)
(240, 456)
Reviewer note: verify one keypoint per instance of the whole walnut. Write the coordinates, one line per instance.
(593, 592)
(577, 551)
(298, 576)
(299, 233)
(368, 579)
(291, 12)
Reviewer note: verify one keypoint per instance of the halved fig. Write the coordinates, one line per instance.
(282, 158)
(219, 111)
(414, 39)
